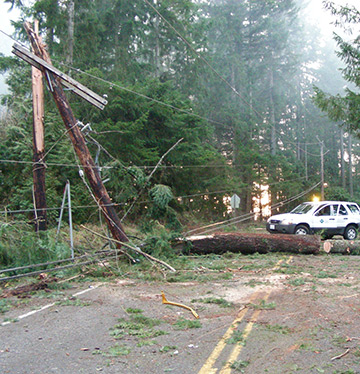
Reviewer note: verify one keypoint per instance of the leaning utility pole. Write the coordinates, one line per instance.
(90, 169)
(38, 147)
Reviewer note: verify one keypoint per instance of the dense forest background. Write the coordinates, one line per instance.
(248, 86)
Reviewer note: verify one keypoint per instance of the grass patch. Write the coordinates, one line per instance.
(138, 326)
(185, 324)
(213, 300)
(288, 269)
(143, 343)
(308, 347)
(278, 329)
(73, 302)
(167, 348)
(145, 321)
(345, 284)
(5, 306)
(237, 337)
(45, 294)
(133, 311)
(253, 283)
(324, 274)
(118, 350)
(239, 366)
(339, 340)
(263, 305)
(297, 282)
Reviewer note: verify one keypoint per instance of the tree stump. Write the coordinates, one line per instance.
(345, 247)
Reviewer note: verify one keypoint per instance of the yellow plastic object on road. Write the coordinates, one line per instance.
(164, 301)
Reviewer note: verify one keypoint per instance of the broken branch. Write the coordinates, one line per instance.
(135, 249)
(342, 355)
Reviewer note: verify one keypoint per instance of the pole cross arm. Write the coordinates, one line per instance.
(67, 81)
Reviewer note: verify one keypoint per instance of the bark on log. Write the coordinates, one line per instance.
(252, 243)
(345, 247)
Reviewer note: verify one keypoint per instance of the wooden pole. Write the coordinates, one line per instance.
(38, 147)
(91, 171)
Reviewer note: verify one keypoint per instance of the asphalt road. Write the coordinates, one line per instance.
(291, 314)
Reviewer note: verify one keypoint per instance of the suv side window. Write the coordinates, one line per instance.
(325, 211)
(342, 211)
(334, 209)
(353, 209)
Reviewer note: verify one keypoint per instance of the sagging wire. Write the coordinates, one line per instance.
(248, 216)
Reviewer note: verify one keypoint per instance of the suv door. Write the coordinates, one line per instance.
(342, 217)
(325, 218)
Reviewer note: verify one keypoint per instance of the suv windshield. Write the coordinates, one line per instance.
(302, 208)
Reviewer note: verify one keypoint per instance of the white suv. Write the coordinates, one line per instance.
(328, 217)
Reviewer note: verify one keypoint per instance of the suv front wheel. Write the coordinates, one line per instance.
(350, 233)
(302, 230)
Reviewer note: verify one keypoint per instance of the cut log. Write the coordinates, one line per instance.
(345, 247)
(251, 243)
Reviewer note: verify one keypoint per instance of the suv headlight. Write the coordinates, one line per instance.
(287, 221)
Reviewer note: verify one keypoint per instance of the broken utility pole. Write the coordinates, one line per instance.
(90, 169)
(38, 147)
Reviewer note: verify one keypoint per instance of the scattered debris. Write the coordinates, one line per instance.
(23, 291)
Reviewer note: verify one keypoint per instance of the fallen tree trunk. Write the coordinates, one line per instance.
(345, 247)
(251, 243)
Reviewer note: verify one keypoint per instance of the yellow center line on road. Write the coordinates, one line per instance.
(277, 266)
(238, 347)
(208, 367)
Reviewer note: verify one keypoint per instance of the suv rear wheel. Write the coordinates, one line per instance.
(302, 230)
(350, 233)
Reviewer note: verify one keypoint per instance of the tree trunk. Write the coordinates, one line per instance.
(345, 247)
(157, 61)
(351, 188)
(273, 140)
(252, 243)
(71, 28)
(342, 161)
(322, 170)
(306, 163)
